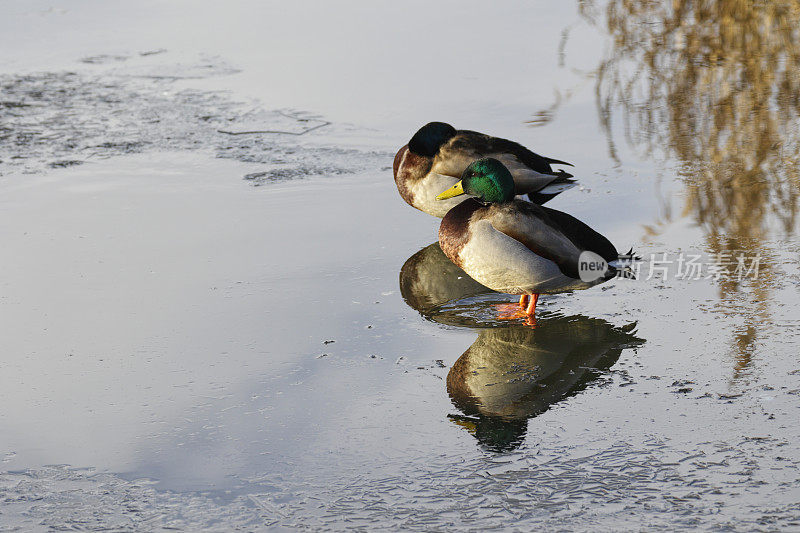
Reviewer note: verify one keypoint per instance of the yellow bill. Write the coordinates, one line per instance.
(455, 190)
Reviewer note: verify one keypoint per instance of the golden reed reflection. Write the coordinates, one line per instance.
(715, 84)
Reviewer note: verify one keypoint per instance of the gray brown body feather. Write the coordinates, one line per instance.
(514, 244)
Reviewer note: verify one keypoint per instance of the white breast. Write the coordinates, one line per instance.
(505, 265)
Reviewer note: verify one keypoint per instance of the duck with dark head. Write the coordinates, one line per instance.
(438, 154)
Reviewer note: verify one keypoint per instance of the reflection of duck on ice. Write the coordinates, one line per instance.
(511, 374)
(428, 280)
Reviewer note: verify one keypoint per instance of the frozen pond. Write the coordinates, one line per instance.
(210, 328)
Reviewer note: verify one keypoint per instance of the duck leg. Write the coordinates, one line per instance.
(523, 301)
(531, 310)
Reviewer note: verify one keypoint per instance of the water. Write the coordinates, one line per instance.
(211, 330)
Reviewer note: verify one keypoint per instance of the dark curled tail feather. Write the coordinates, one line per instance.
(563, 177)
(552, 161)
(623, 269)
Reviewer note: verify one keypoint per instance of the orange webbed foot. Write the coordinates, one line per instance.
(509, 312)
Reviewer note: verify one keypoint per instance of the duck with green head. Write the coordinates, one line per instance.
(517, 247)
(438, 154)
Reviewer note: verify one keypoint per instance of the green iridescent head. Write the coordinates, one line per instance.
(486, 179)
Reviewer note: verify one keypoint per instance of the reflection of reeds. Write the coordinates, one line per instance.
(715, 84)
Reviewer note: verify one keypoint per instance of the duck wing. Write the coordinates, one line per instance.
(582, 235)
(553, 235)
(530, 225)
(497, 145)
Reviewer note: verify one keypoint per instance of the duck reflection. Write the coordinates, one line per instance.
(510, 375)
(429, 281)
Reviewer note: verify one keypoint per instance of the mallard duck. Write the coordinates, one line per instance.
(517, 247)
(437, 155)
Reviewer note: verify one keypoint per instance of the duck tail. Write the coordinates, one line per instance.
(552, 161)
(623, 265)
(562, 176)
(563, 181)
